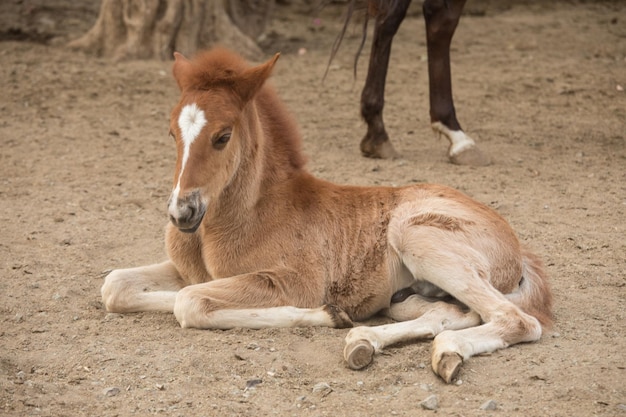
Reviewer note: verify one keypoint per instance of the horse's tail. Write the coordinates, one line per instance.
(534, 296)
(369, 8)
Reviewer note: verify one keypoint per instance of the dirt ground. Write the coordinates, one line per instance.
(86, 168)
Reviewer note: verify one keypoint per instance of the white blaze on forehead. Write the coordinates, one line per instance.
(190, 121)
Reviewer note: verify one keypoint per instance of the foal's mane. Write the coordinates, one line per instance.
(215, 68)
(222, 68)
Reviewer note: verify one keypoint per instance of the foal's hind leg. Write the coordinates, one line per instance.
(462, 272)
(430, 319)
(146, 288)
(376, 143)
(442, 17)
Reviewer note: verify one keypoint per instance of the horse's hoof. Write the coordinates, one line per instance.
(340, 318)
(381, 150)
(472, 156)
(359, 354)
(401, 295)
(449, 366)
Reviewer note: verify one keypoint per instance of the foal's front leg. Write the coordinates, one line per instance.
(146, 288)
(277, 298)
(429, 319)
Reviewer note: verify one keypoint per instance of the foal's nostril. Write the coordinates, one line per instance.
(191, 211)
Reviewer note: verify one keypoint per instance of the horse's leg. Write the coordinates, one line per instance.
(146, 288)
(256, 300)
(462, 272)
(442, 17)
(376, 143)
(432, 319)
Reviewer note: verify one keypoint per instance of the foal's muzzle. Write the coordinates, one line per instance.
(186, 212)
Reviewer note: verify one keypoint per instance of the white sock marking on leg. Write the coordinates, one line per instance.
(459, 141)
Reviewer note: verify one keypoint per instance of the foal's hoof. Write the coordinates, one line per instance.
(449, 366)
(377, 150)
(359, 354)
(472, 156)
(401, 295)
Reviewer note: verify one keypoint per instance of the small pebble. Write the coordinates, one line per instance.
(112, 316)
(489, 405)
(322, 388)
(21, 377)
(111, 391)
(430, 403)
(252, 384)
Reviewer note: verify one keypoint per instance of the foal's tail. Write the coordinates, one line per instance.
(534, 296)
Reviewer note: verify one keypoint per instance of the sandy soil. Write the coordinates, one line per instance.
(85, 172)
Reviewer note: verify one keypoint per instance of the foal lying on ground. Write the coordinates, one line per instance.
(256, 241)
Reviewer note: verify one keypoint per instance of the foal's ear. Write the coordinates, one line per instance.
(181, 69)
(252, 79)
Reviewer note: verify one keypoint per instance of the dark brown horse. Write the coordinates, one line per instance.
(442, 17)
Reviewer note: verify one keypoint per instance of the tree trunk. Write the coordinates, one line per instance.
(145, 29)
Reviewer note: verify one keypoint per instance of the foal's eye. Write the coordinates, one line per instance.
(222, 140)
